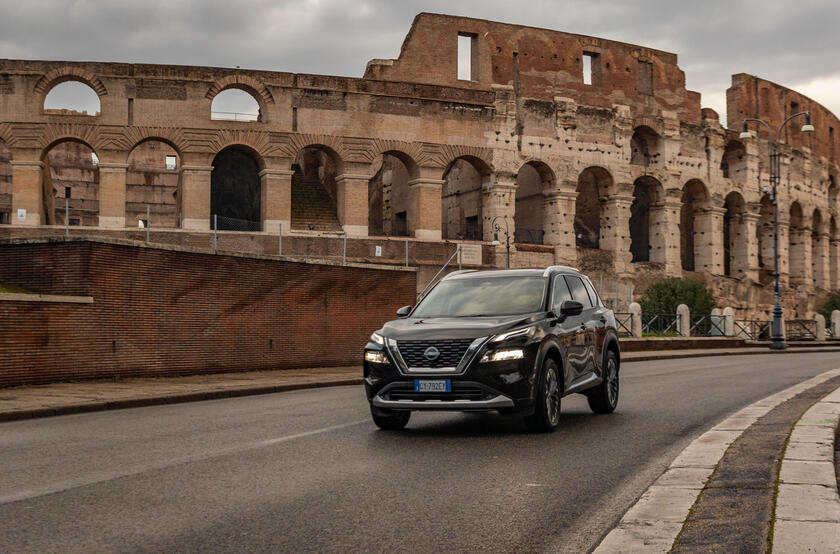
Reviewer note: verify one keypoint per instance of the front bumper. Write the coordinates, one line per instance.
(465, 396)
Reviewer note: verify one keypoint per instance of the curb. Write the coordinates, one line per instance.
(654, 521)
(627, 356)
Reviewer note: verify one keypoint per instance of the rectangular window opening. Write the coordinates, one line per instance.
(171, 163)
(467, 66)
(645, 74)
(591, 68)
(831, 142)
(587, 69)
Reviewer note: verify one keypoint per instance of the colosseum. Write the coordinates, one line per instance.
(585, 151)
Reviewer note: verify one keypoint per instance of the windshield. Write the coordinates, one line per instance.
(484, 297)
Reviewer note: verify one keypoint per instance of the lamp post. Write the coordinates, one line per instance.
(496, 229)
(777, 336)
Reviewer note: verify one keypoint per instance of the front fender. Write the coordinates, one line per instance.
(549, 343)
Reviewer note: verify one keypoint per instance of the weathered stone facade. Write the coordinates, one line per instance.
(592, 151)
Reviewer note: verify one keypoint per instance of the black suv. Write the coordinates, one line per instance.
(509, 340)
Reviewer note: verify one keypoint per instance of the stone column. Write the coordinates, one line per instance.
(351, 195)
(276, 199)
(423, 215)
(194, 199)
(834, 264)
(784, 253)
(750, 244)
(636, 320)
(615, 231)
(498, 199)
(27, 192)
(665, 237)
(559, 224)
(801, 272)
(820, 258)
(708, 240)
(112, 195)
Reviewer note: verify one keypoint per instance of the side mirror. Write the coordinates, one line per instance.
(571, 307)
(404, 311)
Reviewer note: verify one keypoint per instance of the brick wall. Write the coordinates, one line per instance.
(160, 311)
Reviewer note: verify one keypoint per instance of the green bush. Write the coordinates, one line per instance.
(831, 303)
(664, 296)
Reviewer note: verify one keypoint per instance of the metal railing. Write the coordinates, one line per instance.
(234, 116)
(624, 323)
(706, 326)
(752, 329)
(528, 236)
(801, 329)
(661, 325)
(222, 223)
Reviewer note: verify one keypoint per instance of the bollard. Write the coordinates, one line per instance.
(729, 322)
(683, 321)
(820, 320)
(835, 324)
(717, 327)
(635, 320)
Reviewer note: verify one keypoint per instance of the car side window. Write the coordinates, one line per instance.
(578, 291)
(560, 294)
(590, 288)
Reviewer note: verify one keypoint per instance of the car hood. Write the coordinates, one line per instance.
(422, 328)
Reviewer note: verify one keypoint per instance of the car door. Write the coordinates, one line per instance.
(586, 331)
(598, 321)
(569, 330)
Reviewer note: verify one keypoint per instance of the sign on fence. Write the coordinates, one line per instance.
(471, 254)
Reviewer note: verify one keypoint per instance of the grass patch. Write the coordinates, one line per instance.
(14, 289)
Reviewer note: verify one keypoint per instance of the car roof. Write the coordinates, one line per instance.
(480, 274)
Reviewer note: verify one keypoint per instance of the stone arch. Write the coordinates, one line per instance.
(315, 189)
(243, 82)
(645, 146)
(695, 201)
(733, 162)
(819, 247)
(70, 182)
(735, 259)
(5, 183)
(462, 215)
(594, 185)
(235, 189)
(152, 181)
(68, 73)
(532, 179)
(71, 97)
(646, 244)
(233, 114)
(797, 235)
(388, 194)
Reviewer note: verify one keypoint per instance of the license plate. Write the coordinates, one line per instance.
(441, 385)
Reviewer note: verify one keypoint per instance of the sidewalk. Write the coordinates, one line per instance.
(26, 402)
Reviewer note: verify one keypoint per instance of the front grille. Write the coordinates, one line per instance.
(451, 352)
(405, 391)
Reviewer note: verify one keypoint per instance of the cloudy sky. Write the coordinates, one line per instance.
(796, 44)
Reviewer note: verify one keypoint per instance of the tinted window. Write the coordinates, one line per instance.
(476, 296)
(578, 291)
(590, 288)
(560, 294)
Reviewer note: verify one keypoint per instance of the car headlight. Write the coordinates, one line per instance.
(512, 334)
(376, 357)
(503, 355)
(377, 338)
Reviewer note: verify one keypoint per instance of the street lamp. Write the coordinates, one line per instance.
(777, 336)
(496, 229)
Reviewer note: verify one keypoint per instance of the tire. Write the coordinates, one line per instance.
(546, 416)
(389, 420)
(604, 398)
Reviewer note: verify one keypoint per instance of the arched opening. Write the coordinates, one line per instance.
(152, 180)
(594, 184)
(71, 184)
(5, 184)
(694, 199)
(645, 242)
(818, 254)
(72, 98)
(314, 190)
(235, 190)
(796, 244)
(645, 147)
(531, 180)
(234, 104)
(462, 215)
(388, 194)
(733, 163)
(764, 230)
(834, 255)
(734, 238)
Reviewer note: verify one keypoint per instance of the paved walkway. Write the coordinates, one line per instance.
(72, 397)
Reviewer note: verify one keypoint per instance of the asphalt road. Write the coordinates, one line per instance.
(308, 470)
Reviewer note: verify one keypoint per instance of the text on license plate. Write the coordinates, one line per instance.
(439, 385)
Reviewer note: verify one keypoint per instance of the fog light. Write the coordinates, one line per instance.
(503, 355)
(375, 357)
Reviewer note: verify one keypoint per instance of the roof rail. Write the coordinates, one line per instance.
(549, 269)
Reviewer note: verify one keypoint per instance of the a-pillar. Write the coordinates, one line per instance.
(351, 198)
(708, 240)
(820, 259)
(276, 199)
(559, 224)
(112, 195)
(194, 200)
(423, 215)
(499, 200)
(615, 231)
(665, 237)
(27, 189)
(750, 244)
(801, 272)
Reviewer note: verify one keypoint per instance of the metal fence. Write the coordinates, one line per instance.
(752, 329)
(706, 326)
(800, 329)
(660, 325)
(624, 323)
(222, 223)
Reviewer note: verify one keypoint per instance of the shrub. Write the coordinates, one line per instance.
(664, 296)
(831, 303)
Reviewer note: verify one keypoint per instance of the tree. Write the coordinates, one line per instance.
(663, 297)
(831, 303)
